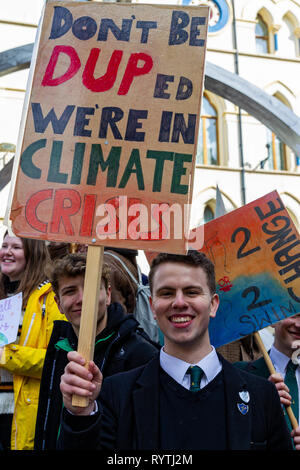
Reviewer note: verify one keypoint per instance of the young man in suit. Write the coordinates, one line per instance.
(284, 354)
(189, 397)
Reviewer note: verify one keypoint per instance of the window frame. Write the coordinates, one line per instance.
(259, 18)
(202, 123)
(275, 155)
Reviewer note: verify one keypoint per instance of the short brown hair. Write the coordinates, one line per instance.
(192, 258)
(73, 265)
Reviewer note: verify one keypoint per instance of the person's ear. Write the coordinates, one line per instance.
(152, 308)
(215, 302)
(56, 298)
(108, 295)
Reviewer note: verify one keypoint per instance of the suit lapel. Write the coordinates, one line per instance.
(146, 407)
(239, 418)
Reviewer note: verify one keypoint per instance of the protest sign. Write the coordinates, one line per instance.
(109, 135)
(256, 253)
(111, 126)
(10, 314)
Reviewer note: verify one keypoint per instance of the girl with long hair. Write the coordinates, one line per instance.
(23, 264)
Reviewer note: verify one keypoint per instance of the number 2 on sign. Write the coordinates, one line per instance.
(254, 304)
(247, 234)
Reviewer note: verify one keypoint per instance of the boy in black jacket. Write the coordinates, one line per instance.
(120, 343)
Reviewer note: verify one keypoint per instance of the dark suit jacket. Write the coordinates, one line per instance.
(258, 367)
(129, 417)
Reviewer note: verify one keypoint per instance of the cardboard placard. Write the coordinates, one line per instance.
(256, 250)
(256, 253)
(112, 124)
(10, 314)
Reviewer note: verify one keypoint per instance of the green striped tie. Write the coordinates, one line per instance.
(196, 374)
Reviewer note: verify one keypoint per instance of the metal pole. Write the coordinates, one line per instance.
(240, 131)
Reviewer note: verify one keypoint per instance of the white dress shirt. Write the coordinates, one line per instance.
(177, 368)
(280, 362)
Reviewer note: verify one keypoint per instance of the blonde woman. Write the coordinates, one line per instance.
(23, 263)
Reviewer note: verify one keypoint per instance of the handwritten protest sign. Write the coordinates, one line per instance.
(256, 253)
(112, 122)
(10, 313)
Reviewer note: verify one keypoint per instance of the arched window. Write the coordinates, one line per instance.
(261, 35)
(287, 41)
(280, 155)
(208, 214)
(277, 153)
(207, 151)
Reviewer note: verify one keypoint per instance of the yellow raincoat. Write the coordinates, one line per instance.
(25, 361)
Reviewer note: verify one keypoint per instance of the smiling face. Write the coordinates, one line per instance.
(287, 333)
(69, 301)
(182, 305)
(12, 258)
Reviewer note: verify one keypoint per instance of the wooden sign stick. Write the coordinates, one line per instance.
(272, 370)
(88, 322)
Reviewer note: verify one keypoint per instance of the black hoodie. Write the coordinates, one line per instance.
(121, 346)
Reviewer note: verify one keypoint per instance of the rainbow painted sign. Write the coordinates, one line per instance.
(256, 252)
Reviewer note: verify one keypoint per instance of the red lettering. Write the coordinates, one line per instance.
(88, 215)
(31, 209)
(119, 208)
(74, 66)
(110, 206)
(161, 231)
(132, 70)
(127, 222)
(132, 201)
(123, 216)
(62, 212)
(107, 80)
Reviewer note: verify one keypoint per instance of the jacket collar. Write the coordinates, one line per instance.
(117, 320)
(147, 420)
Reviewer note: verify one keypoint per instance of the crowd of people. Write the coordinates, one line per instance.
(142, 394)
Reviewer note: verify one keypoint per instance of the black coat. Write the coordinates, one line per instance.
(121, 346)
(129, 414)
